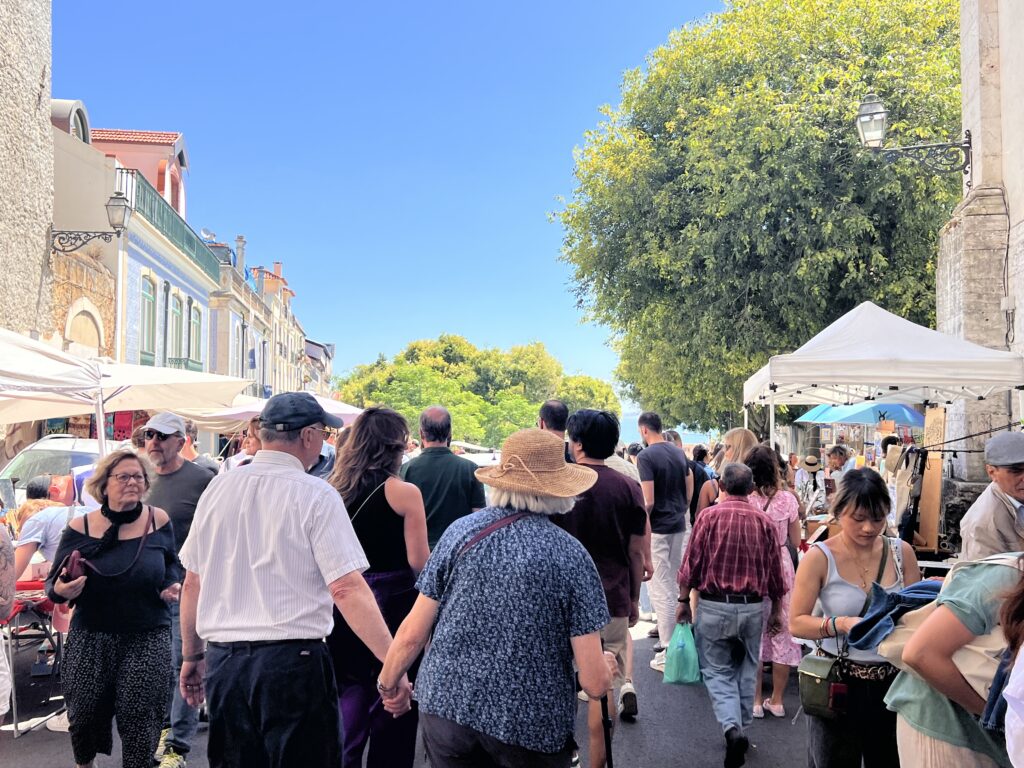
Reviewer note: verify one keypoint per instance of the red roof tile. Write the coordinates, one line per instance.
(135, 137)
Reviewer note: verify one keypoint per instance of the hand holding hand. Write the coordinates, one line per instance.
(69, 590)
(191, 682)
(398, 700)
(171, 593)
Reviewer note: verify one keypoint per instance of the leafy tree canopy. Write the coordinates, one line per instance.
(490, 393)
(724, 211)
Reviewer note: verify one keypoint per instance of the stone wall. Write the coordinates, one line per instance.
(82, 284)
(26, 165)
(969, 279)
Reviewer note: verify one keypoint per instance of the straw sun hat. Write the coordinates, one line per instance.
(811, 464)
(533, 462)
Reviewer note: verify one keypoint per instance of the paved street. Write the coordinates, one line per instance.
(675, 728)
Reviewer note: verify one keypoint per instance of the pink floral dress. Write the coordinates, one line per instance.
(782, 510)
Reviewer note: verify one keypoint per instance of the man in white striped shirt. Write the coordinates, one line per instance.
(270, 551)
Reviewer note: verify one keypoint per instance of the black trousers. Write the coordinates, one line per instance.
(450, 745)
(865, 735)
(272, 706)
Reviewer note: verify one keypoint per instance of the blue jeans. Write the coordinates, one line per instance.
(184, 719)
(728, 637)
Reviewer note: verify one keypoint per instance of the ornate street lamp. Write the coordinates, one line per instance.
(119, 212)
(873, 123)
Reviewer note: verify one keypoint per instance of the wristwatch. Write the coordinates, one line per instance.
(382, 690)
(194, 657)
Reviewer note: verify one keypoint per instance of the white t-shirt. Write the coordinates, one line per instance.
(265, 543)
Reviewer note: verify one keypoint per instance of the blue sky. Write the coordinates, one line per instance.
(400, 160)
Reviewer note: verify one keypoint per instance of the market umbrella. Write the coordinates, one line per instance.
(39, 382)
(866, 413)
(811, 417)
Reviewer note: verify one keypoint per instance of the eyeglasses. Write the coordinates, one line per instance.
(323, 430)
(151, 434)
(125, 477)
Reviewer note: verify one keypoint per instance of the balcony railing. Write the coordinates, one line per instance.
(184, 363)
(147, 201)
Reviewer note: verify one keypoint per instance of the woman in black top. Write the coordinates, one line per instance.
(388, 517)
(117, 661)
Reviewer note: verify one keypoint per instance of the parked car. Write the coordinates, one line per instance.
(53, 455)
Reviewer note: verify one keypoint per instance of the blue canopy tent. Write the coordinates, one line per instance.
(863, 413)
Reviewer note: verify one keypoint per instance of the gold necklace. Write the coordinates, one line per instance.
(856, 560)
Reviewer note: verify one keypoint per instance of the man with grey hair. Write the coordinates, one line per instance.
(271, 552)
(995, 522)
(176, 488)
(448, 483)
(731, 564)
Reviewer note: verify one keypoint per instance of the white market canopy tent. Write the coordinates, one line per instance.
(870, 354)
(245, 407)
(40, 382)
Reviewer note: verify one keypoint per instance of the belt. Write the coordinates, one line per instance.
(249, 644)
(730, 598)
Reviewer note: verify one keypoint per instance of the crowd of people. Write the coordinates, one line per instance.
(329, 601)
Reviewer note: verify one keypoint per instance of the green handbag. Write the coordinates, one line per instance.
(821, 686)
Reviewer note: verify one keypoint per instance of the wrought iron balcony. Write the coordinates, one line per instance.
(147, 201)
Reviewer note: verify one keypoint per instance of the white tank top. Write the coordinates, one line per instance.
(840, 597)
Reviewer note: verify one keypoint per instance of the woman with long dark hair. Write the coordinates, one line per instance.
(388, 517)
(839, 573)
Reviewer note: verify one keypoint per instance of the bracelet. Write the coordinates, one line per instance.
(384, 690)
(195, 657)
(823, 628)
(835, 629)
(682, 600)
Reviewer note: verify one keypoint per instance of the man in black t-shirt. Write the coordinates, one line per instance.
(176, 488)
(609, 520)
(448, 482)
(667, 484)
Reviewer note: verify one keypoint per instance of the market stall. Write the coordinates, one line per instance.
(39, 382)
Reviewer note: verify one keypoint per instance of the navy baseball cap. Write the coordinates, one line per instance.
(295, 410)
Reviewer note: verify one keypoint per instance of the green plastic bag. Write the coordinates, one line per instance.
(681, 665)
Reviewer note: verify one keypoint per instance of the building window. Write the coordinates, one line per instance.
(148, 340)
(177, 327)
(195, 335)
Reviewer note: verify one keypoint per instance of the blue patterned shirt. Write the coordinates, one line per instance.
(501, 661)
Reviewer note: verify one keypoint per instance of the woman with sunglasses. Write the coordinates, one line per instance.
(388, 517)
(117, 661)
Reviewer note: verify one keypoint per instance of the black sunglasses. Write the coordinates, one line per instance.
(150, 434)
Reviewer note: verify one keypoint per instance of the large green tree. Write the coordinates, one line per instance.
(489, 392)
(724, 211)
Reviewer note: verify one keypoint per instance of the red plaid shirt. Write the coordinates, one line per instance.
(733, 551)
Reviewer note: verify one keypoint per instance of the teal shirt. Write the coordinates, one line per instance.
(974, 597)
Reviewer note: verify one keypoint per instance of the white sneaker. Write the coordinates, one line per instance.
(59, 723)
(647, 616)
(658, 662)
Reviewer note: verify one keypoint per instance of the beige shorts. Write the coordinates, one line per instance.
(613, 640)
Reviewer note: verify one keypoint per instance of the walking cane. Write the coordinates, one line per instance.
(606, 721)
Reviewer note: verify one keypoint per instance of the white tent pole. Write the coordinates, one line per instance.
(746, 417)
(771, 419)
(101, 427)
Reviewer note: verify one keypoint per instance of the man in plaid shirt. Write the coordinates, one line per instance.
(732, 563)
